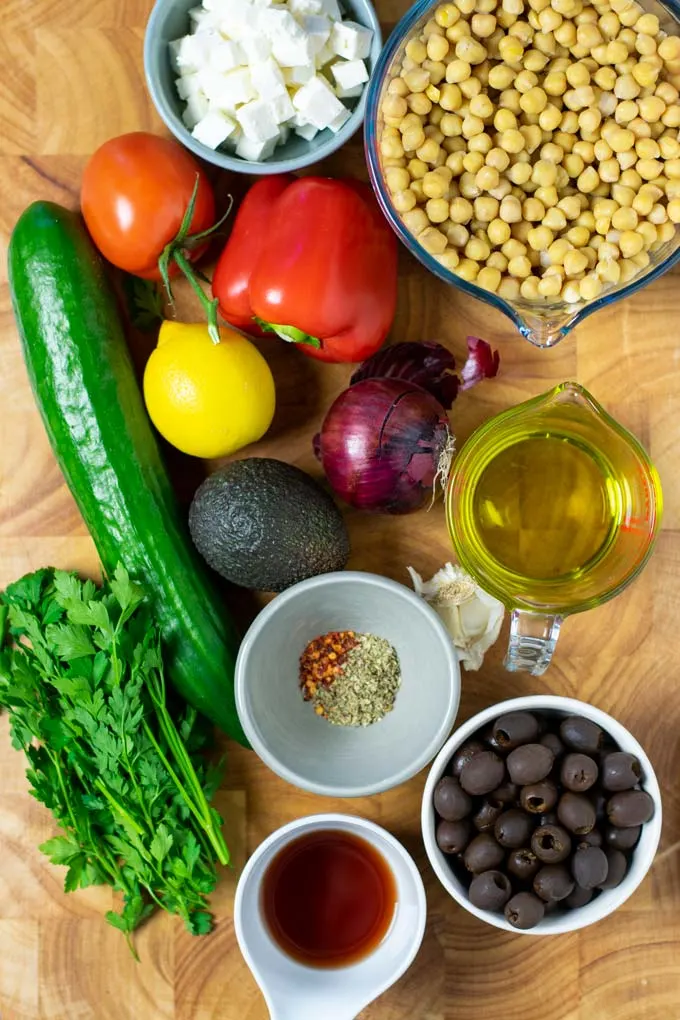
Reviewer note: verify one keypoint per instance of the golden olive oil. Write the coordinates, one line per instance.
(546, 507)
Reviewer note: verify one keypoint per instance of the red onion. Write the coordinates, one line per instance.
(386, 439)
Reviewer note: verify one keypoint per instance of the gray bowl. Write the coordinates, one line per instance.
(170, 20)
(341, 761)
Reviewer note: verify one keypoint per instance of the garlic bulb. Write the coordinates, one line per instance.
(471, 616)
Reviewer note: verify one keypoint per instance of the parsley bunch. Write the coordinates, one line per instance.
(81, 675)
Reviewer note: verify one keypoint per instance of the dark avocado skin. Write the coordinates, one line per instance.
(264, 524)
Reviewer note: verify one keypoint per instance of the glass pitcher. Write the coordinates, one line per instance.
(542, 322)
(553, 507)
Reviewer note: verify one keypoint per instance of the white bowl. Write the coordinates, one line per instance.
(609, 900)
(343, 761)
(294, 991)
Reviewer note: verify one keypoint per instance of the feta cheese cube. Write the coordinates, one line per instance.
(213, 129)
(349, 73)
(352, 93)
(298, 75)
(338, 121)
(258, 121)
(254, 151)
(226, 55)
(201, 18)
(317, 102)
(227, 91)
(331, 9)
(318, 28)
(302, 7)
(306, 131)
(192, 52)
(175, 48)
(293, 50)
(350, 40)
(267, 79)
(256, 47)
(187, 85)
(274, 22)
(324, 55)
(284, 134)
(282, 108)
(196, 109)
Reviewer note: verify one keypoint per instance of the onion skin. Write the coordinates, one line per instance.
(380, 445)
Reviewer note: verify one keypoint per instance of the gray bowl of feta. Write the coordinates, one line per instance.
(261, 87)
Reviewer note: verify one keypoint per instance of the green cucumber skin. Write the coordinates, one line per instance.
(85, 387)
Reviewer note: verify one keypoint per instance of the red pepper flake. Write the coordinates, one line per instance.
(323, 658)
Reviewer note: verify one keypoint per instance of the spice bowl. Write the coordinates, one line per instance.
(554, 709)
(337, 760)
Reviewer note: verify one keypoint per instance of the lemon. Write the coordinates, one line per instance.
(208, 399)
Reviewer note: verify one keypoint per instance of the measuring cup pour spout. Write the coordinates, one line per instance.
(544, 329)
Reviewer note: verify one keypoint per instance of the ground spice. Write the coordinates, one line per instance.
(352, 679)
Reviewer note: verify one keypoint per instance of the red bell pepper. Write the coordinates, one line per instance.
(312, 260)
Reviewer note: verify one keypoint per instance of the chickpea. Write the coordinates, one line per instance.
(451, 97)
(569, 206)
(416, 221)
(468, 270)
(437, 47)
(456, 72)
(510, 49)
(519, 174)
(605, 78)
(446, 15)
(483, 25)
(649, 169)
(555, 83)
(540, 238)
(481, 106)
(472, 162)
(510, 210)
(432, 240)
(498, 231)
(630, 243)
(477, 250)
(419, 103)
(508, 288)
(529, 288)
(519, 266)
(673, 210)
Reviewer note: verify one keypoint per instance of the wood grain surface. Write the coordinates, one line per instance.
(71, 78)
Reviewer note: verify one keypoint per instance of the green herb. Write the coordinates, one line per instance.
(365, 688)
(144, 302)
(81, 675)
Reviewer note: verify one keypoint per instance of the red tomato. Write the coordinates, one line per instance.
(135, 192)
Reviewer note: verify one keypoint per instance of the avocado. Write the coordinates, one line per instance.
(262, 523)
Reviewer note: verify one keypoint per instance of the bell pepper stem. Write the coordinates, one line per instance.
(291, 334)
(176, 251)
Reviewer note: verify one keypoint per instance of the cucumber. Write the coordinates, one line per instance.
(85, 387)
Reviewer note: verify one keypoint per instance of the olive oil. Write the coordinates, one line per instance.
(546, 507)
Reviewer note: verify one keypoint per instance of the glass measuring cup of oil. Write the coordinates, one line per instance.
(553, 507)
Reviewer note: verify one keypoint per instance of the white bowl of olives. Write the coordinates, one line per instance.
(541, 815)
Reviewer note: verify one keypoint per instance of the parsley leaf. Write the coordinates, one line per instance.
(121, 769)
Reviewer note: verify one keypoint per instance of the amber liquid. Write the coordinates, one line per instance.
(328, 898)
(546, 508)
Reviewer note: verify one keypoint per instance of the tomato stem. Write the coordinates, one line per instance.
(178, 251)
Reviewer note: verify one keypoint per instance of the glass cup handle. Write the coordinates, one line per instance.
(533, 637)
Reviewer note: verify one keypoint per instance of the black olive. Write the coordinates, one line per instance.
(576, 813)
(485, 818)
(551, 844)
(523, 864)
(482, 773)
(581, 734)
(513, 828)
(524, 910)
(553, 882)
(490, 891)
(579, 772)
(618, 865)
(515, 728)
(630, 808)
(463, 756)
(589, 867)
(620, 771)
(483, 854)
(450, 801)
(453, 837)
(529, 763)
(538, 798)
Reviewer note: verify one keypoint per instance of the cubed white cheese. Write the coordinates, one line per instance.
(298, 75)
(306, 131)
(227, 91)
(352, 93)
(282, 108)
(175, 48)
(349, 73)
(317, 102)
(293, 50)
(192, 52)
(253, 151)
(284, 134)
(325, 54)
(202, 18)
(350, 40)
(318, 28)
(258, 121)
(213, 129)
(226, 55)
(187, 85)
(274, 21)
(256, 47)
(338, 121)
(196, 109)
(267, 79)
(331, 9)
(302, 7)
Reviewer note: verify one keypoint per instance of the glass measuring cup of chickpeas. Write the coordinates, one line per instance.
(528, 151)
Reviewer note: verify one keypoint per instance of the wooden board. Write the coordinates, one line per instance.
(71, 78)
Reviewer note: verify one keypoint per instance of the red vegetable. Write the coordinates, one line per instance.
(313, 260)
(386, 439)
